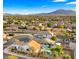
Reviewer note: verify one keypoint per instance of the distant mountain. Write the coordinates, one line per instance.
(62, 11)
(57, 12)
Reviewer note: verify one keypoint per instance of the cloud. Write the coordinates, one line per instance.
(71, 3)
(59, 0)
(16, 11)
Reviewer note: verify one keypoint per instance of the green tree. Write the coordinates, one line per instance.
(66, 56)
(54, 53)
(54, 38)
(52, 50)
(66, 34)
(34, 28)
(41, 27)
(58, 49)
(49, 24)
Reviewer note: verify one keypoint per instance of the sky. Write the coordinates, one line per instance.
(36, 6)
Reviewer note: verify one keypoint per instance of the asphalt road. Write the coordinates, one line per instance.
(8, 43)
(28, 32)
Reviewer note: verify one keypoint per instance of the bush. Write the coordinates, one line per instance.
(34, 28)
(66, 56)
(54, 38)
(58, 49)
(49, 24)
(12, 57)
(61, 26)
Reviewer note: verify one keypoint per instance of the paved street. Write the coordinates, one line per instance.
(8, 43)
(28, 32)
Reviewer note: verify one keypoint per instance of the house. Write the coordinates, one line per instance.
(35, 45)
(42, 37)
(27, 42)
(60, 23)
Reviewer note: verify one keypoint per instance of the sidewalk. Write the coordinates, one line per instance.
(15, 54)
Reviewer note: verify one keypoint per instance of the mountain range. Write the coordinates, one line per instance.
(62, 11)
(57, 12)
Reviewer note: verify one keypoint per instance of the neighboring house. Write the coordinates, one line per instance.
(55, 25)
(42, 37)
(60, 23)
